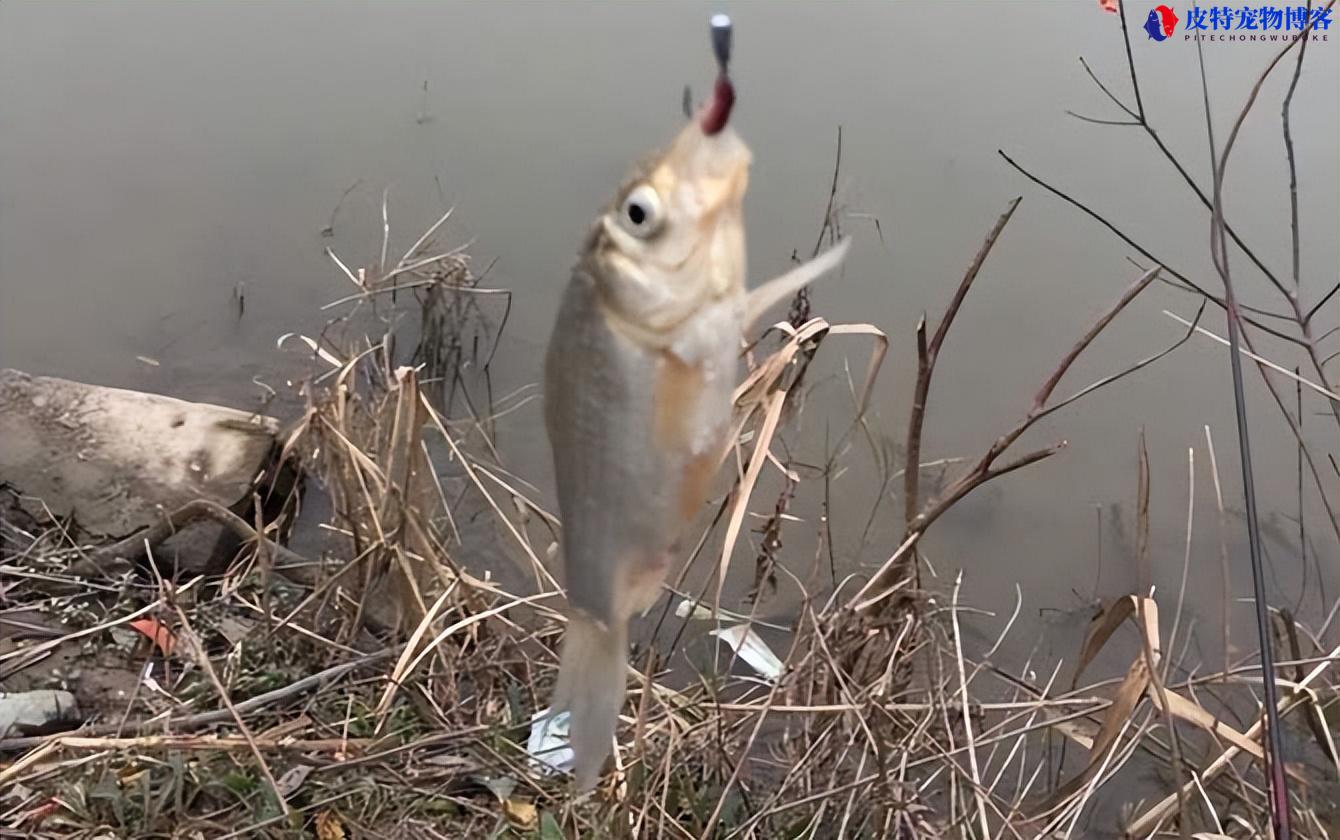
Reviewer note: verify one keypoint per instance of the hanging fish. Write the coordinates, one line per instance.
(637, 393)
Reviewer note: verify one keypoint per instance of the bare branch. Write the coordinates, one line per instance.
(1108, 380)
(1097, 121)
(1130, 63)
(912, 473)
(1307, 319)
(943, 329)
(1182, 278)
(1293, 166)
(899, 566)
(1045, 392)
(928, 354)
(1104, 89)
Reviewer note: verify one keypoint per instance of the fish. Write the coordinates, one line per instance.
(638, 381)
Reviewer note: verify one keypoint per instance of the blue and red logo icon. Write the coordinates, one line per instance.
(1161, 22)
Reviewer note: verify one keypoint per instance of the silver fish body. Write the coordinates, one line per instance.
(637, 434)
(637, 392)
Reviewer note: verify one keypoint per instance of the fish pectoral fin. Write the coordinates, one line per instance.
(763, 298)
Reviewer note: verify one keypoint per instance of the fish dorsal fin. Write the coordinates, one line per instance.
(761, 299)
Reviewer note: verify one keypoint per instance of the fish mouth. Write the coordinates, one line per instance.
(718, 164)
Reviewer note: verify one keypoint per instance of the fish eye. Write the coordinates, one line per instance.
(641, 212)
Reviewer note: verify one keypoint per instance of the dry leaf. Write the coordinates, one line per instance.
(329, 826)
(1101, 628)
(293, 779)
(157, 632)
(1192, 712)
(1106, 622)
(522, 814)
(1123, 705)
(1148, 611)
(326, 356)
(1080, 731)
(1316, 719)
(1132, 688)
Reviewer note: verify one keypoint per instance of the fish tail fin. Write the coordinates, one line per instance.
(591, 680)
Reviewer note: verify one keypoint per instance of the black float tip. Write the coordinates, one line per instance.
(721, 40)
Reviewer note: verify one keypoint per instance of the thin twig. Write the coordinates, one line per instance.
(202, 719)
(202, 659)
(929, 353)
(967, 711)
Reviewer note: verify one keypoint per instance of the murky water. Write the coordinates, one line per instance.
(155, 159)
